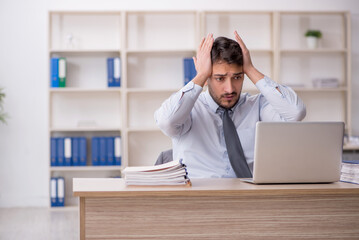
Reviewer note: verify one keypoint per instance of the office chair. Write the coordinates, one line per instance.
(165, 157)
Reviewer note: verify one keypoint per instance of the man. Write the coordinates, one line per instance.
(194, 119)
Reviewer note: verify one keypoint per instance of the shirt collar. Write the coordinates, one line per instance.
(214, 106)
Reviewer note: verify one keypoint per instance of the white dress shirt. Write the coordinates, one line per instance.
(190, 118)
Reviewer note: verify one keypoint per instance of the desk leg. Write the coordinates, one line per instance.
(82, 218)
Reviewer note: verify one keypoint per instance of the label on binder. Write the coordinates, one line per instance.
(67, 147)
(117, 147)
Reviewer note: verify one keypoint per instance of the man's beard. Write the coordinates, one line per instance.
(217, 100)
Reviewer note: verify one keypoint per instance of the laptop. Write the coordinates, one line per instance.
(297, 152)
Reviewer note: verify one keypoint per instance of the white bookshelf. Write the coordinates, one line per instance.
(152, 45)
(330, 60)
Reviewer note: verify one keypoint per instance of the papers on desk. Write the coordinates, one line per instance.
(171, 173)
(350, 171)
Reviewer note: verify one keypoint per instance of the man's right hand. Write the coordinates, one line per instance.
(203, 61)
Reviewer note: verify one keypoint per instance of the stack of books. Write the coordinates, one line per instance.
(350, 171)
(173, 173)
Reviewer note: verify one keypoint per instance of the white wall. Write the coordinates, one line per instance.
(23, 151)
(23, 73)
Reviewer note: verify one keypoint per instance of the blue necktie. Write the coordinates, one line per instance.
(234, 147)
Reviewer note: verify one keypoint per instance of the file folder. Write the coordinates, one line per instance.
(76, 151)
(110, 79)
(110, 145)
(53, 149)
(189, 70)
(117, 71)
(55, 82)
(68, 151)
(60, 152)
(95, 151)
(118, 151)
(62, 72)
(53, 192)
(102, 145)
(60, 192)
(83, 151)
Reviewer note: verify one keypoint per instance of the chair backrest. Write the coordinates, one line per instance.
(164, 157)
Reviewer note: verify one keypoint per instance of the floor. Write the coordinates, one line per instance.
(38, 223)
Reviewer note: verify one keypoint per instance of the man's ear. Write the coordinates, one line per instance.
(206, 83)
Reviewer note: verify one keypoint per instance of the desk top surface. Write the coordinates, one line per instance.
(112, 187)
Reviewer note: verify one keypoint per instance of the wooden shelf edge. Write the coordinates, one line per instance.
(84, 90)
(154, 129)
(320, 50)
(65, 208)
(89, 129)
(54, 51)
(85, 168)
(145, 90)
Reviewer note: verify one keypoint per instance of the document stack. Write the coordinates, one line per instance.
(172, 173)
(325, 83)
(350, 171)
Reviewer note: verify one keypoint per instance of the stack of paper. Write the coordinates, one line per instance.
(171, 173)
(325, 82)
(350, 171)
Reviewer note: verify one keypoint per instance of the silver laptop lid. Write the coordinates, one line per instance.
(298, 152)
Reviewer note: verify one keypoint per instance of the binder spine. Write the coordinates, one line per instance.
(110, 145)
(186, 71)
(60, 152)
(95, 151)
(76, 151)
(55, 82)
(62, 72)
(117, 71)
(110, 79)
(68, 151)
(53, 149)
(60, 192)
(83, 151)
(102, 144)
(192, 70)
(118, 151)
(53, 192)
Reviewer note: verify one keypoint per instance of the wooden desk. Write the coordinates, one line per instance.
(217, 209)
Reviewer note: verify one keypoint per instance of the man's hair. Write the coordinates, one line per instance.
(226, 50)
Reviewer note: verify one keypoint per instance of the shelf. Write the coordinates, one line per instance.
(64, 209)
(319, 50)
(304, 89)
(153, 70)
(144, 129)
(161, 51)
(84, 90)
(146, 90)
(85, 168)
(92, 51)
(183, 51)
(254, 50)
(351, 147)
(84, 129)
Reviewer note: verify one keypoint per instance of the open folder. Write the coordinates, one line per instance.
(171, 173)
